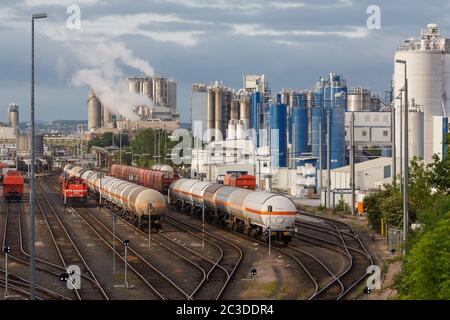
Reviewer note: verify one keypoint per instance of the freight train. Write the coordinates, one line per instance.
(74, 190)
(13, 186)
(255, 213)
(139, 205)
(159, 177)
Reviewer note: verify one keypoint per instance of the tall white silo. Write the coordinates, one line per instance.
(428, 73)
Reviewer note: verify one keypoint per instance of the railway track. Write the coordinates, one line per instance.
(159, 283)
(68, 251)
(347, 243)
(229, 259)
(215, 276)
(13, 237)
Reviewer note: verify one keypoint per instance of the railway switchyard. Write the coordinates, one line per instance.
(179, 258)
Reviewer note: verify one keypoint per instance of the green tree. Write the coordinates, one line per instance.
(372, 205)
(426, 269)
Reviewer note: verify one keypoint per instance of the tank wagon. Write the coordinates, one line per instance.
(159, 177)
(13, 186)
(255, 213)
(131, 201)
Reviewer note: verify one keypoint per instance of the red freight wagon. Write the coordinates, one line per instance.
(159, 177)
(13, 186)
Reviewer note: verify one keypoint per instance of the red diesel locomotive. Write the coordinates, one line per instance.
(159, 177)
(13, 186)
(74, 190)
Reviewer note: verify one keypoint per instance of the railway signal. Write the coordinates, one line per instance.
(6, 251)
(64, 277)
(126, 244)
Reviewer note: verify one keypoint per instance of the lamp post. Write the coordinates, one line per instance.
(405, 163)
(6, 251)
(32, 173)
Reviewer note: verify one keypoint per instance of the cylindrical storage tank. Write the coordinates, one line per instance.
(23, 145)
(141, 197)
(318, 133)
(218, 118)
(13, 116)
(416, 133)
(299, 129)
(175, 192)
(197, 192)
(359, 99)
(209, 195)
(337, 137)
(236, 200)
(107, 116)
(210, 117)
(278, 140)
(256, 112)
(186, 190)
(234, 114)
(94, 111)
(428, 72)
(309, 103)
(221, 200)
(282, 217)
(244, 110)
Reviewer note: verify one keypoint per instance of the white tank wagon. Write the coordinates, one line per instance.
(129, 200)
(255, 213)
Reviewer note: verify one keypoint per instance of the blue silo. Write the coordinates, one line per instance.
(278, 137)
(337, 136)
(299, 128)
(317, 118)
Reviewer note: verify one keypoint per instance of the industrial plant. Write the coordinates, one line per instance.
(278, 188)
(162, 92)
(307, 142)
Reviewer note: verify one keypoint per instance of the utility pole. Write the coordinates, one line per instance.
(328, 162)
(352, 161)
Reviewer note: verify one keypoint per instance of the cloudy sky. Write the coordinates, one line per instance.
(291, 42)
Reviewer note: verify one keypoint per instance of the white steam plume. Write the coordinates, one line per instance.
(101, 71)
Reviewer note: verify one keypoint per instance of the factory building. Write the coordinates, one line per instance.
(428, 73)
